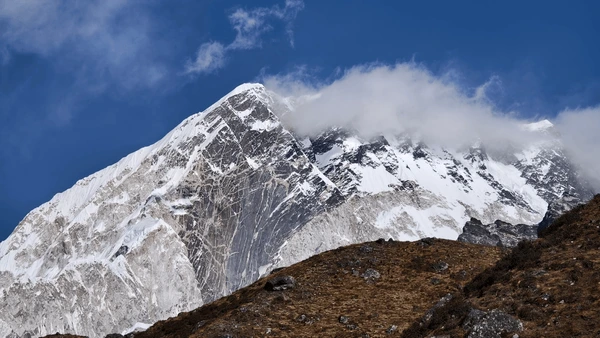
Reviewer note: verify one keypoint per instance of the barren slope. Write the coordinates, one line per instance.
(413, 276)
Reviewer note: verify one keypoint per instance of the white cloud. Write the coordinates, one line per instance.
(408, 98)
(404, 98)
(250, 26)
(108, 40)
(210, 57)
(580, 132)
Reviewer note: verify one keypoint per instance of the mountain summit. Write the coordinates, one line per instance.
(232, 193)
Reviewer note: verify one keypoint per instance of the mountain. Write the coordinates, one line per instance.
(549, 287)
(232, 193)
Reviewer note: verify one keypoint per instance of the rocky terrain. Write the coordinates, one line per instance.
(549, 287)
(232, 193)
(375, 288)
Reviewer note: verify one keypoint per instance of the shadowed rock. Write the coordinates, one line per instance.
(280, 283)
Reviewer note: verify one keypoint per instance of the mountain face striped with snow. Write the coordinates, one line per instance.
(230, 194)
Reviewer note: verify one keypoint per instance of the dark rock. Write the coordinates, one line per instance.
(435, 281)
(371, 274)
(497, 234)
(307, 320)
(440, 266)
(390, 240)
(493, 324)
(352, 326)
(472, 318)
(427, 241)
(558, 207)
(429, 314)
(124, 249)
(343, 319)
(365, 249)
(391, 329)
(280, 283)
(114, 335)
(380, 241)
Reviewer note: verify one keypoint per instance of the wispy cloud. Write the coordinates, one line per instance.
(250, 26)
(4, 55)
(107, 39)
(580, 134)
(210, 57)
(402, 98)
(408, 98)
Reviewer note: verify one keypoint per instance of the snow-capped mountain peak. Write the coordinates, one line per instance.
(231, 193)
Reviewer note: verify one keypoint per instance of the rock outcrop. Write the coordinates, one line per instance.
(499, 233)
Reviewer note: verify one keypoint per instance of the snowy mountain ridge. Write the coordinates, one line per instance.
(231, 193)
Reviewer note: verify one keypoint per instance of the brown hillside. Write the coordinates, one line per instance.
(552, 285)
(334, 298)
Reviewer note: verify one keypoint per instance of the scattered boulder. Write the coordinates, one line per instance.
(475, 316)
(307, 320)
(391, 329)
(427, 241)
(440, 266)
(493, 324)
(365, 249)
(371, 274)
(352, 326)
(343, 319)
(280, 283)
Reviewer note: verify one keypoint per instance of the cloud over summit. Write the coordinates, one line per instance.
(407, 98)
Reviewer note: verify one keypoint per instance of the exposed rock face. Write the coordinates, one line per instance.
(558, 207)
(230, 194)
(497, 234)
(508, 235)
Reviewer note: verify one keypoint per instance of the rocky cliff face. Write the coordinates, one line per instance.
(230, 194)
(497, 234)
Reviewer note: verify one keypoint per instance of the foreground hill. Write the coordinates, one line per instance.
(552, 285)
(369, 288)
(546, 288)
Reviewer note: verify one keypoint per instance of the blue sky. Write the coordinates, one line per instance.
(84, 83)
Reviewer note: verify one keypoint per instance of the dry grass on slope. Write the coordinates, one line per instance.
(552, 285)
(332, 297)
